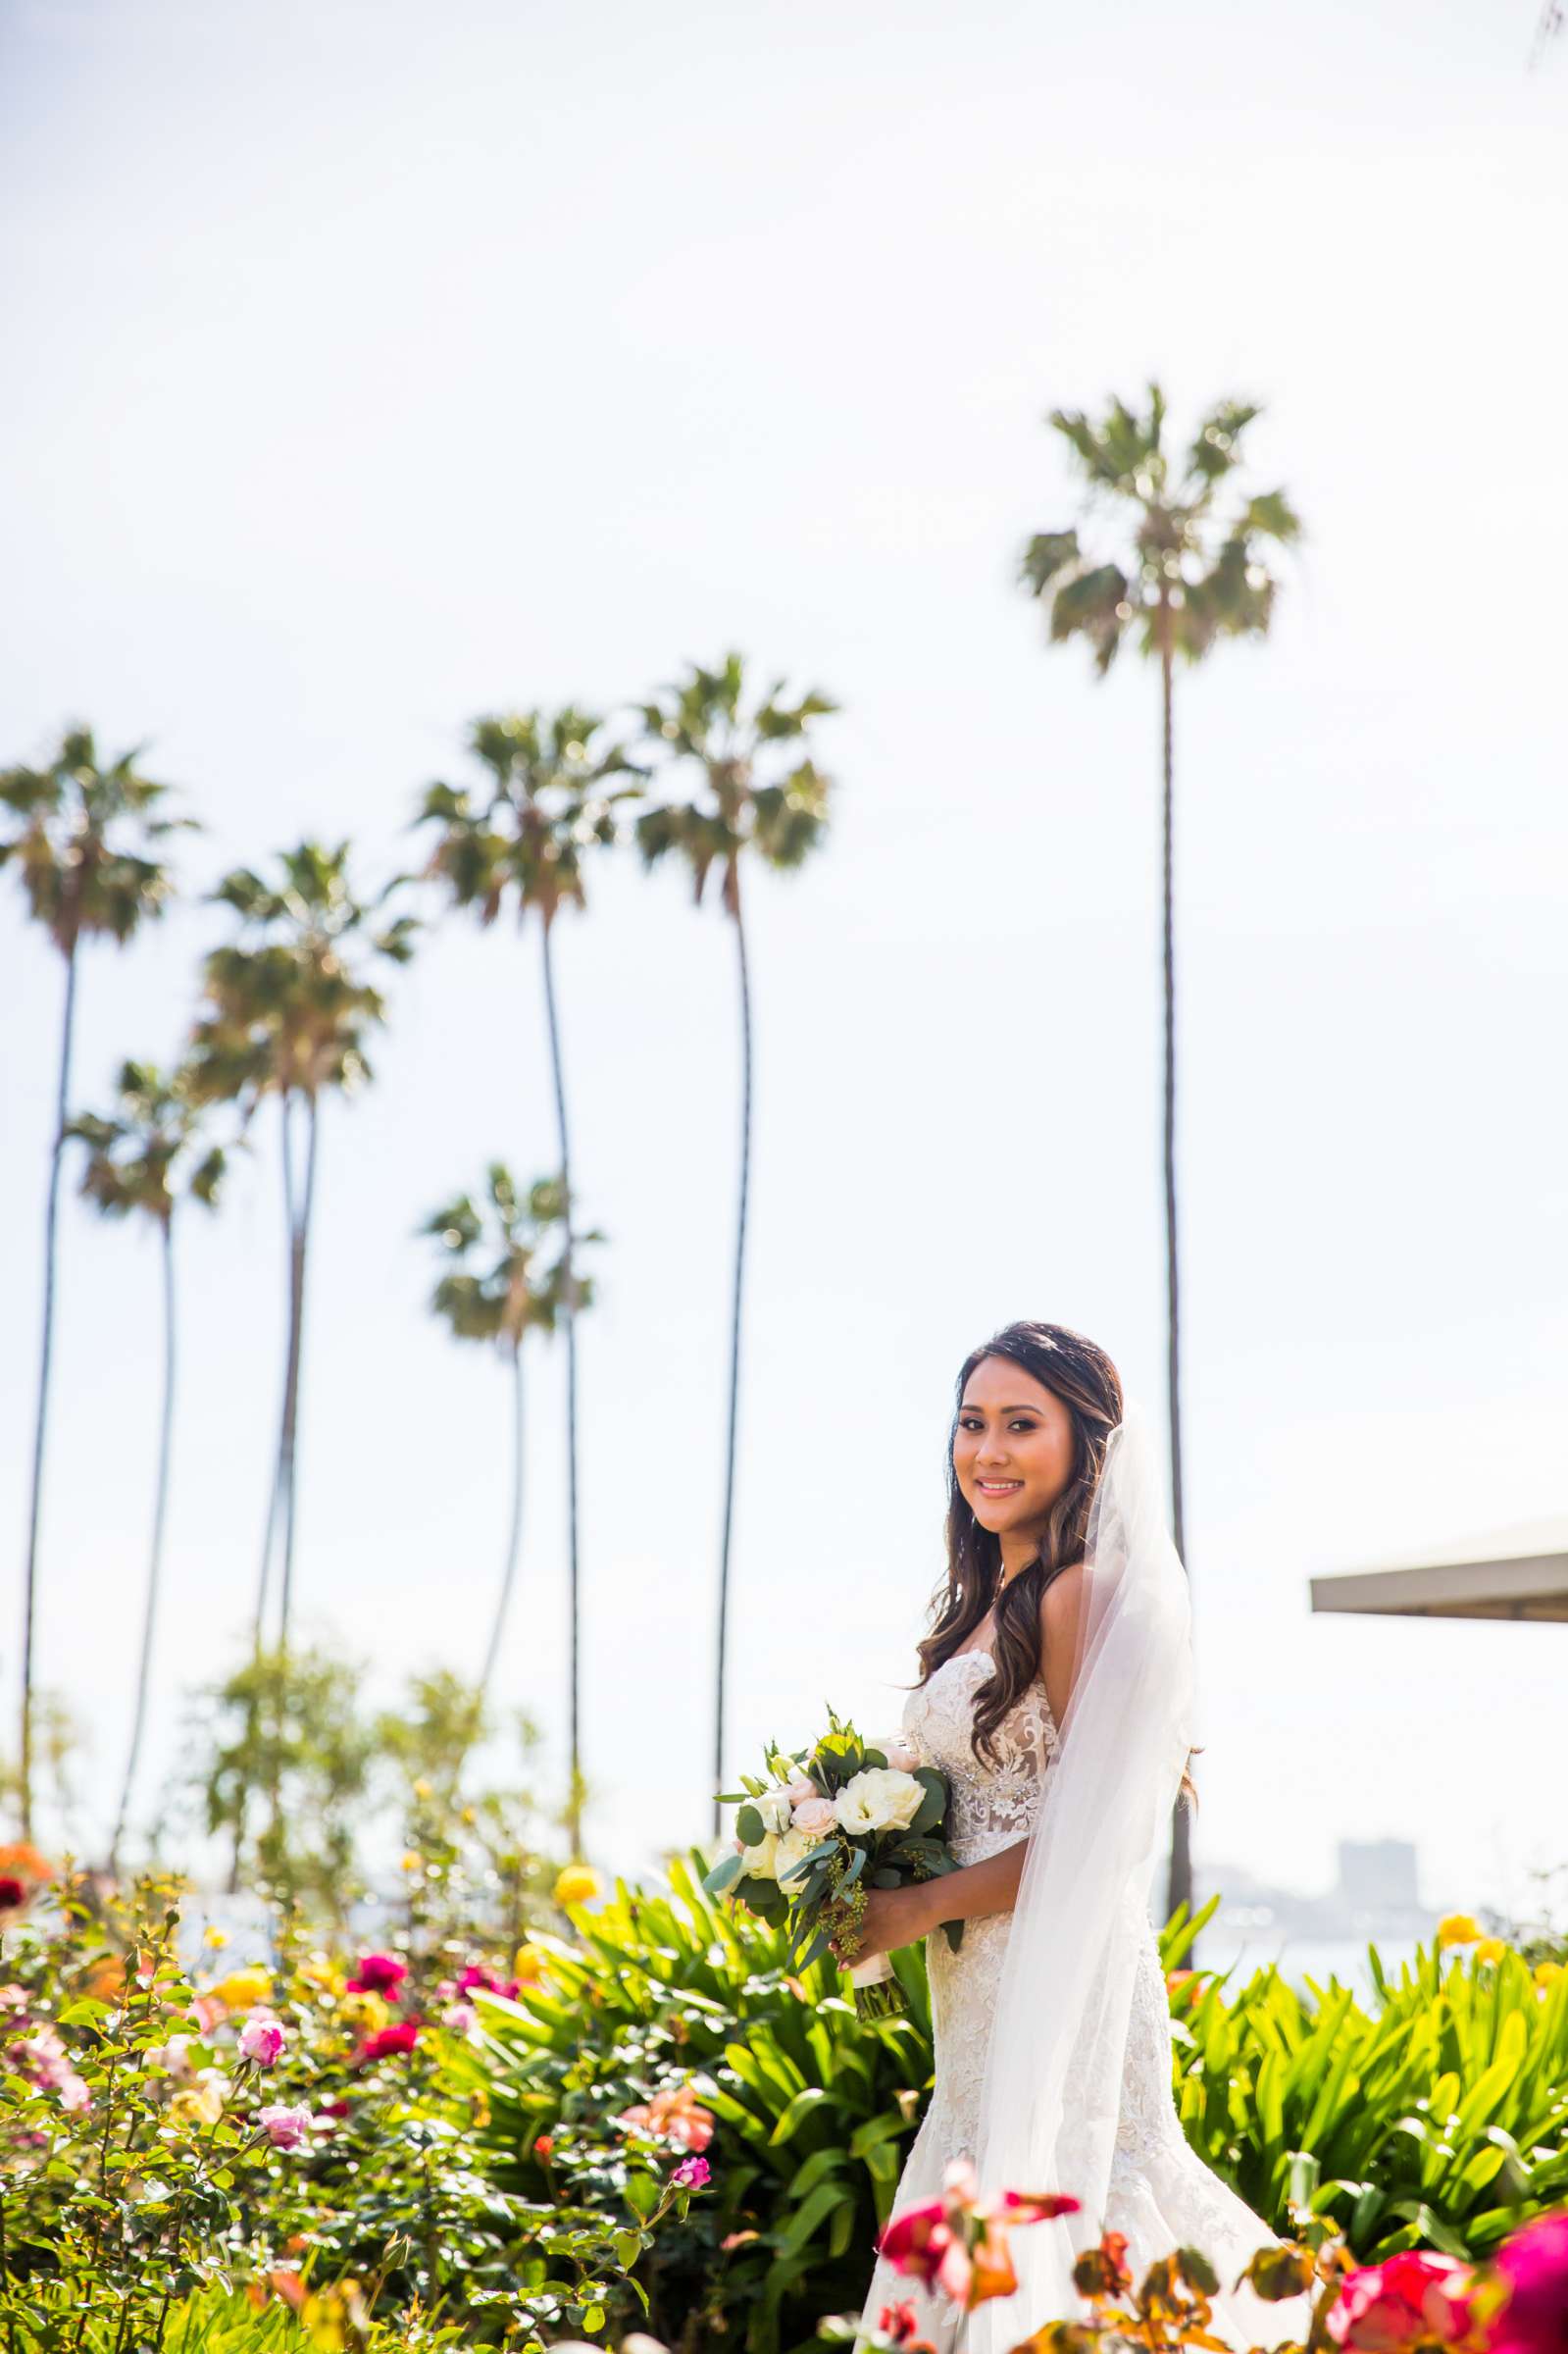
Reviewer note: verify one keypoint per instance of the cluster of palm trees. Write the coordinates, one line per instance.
(710, 772)
(721, 777)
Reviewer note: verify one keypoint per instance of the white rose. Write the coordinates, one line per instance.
(791, 1849)
(879, 1798)
(762, 1860)
(774, 1807)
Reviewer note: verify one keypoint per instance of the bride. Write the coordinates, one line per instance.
(1055, 1694)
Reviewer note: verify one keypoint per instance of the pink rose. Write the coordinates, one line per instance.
(1383, 2308)
(815, 1817)
(261, 2039)
(899, 1755)
(692, 2174)
(800, 1790)
(285, 2128)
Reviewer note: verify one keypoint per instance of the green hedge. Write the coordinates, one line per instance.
(813, 2108)
(1438, 2117)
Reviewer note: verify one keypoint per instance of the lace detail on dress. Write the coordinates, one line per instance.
(991, 1805)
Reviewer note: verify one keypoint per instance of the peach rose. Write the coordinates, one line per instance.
(815, 1817)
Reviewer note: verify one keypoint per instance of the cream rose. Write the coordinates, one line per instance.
(793, 1849)
(879, 1798)
(774, 1807)
(762, 1860)
(816, 1817)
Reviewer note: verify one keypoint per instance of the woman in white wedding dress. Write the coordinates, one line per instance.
(1055, 1695)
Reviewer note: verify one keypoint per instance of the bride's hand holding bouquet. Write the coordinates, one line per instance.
(826, 1839)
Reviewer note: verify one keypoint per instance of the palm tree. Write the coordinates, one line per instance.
(550, 798)
(1192, 568)
(85, 840)
(285, 1013)
(755, 789)
(498, 1288)
(144, 1158)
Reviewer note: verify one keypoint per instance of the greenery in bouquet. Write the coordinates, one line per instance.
(824, 1826)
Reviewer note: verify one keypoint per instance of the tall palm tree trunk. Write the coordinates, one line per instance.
(51, 1221)
(1179, 1891)
(569, 1305)
(288, 1453)
(160, 1511)
(275, 1492)
(734, 1358)
(514, 1536)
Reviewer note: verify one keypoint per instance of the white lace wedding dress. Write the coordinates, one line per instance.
(1162, 2195)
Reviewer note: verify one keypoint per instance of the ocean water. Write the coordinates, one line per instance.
(1300, 1959)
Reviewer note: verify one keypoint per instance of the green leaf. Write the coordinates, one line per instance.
(749, 1826)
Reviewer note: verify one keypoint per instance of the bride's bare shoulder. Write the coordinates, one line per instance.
(1061, 1616)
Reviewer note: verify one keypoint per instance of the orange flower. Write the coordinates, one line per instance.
(675, 2115)
(20, 1860)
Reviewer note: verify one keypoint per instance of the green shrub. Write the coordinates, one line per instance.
(810, 2107)
(1438, 2119)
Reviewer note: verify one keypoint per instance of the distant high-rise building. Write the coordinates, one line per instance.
(1379, 1875)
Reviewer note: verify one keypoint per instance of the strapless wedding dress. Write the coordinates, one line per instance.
(1162, 2195)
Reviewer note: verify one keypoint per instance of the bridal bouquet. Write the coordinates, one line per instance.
(824, 1826)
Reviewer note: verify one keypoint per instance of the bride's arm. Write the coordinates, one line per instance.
(897, 1916)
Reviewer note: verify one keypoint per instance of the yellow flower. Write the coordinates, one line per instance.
(528, 1964)
(243, 1989)
(201, 2103)
(320, 1971)
(1547, 1973)
(413, 1860)
(576, 1884)
(423, 1790)
(214, 1938)
(1459, 1928)
(367, 2012)
(1491, 1949)
(467, 1817)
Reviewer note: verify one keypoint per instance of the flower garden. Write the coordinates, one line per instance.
(642, 2123)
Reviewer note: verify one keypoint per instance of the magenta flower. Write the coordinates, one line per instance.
(692, 2174)
(285, 2128)
(377, 1973)
(1535, 2264)
(1412, 2297)
(261, 2039)
(390, 2043)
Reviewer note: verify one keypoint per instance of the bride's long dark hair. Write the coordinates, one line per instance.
(1080, 1374)
(1084, 1378)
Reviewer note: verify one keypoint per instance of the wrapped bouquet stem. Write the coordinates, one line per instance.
(823, 1827)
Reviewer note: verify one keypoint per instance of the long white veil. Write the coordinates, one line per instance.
(1052, 2087)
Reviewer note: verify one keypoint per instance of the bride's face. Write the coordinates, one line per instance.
(1012, 1448)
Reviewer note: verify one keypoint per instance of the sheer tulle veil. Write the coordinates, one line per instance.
(1053, 2084)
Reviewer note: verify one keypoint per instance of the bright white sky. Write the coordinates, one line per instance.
(378, 365)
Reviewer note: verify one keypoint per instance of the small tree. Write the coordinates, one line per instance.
(497, 1288)
(551, 795)
(143, 1160)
